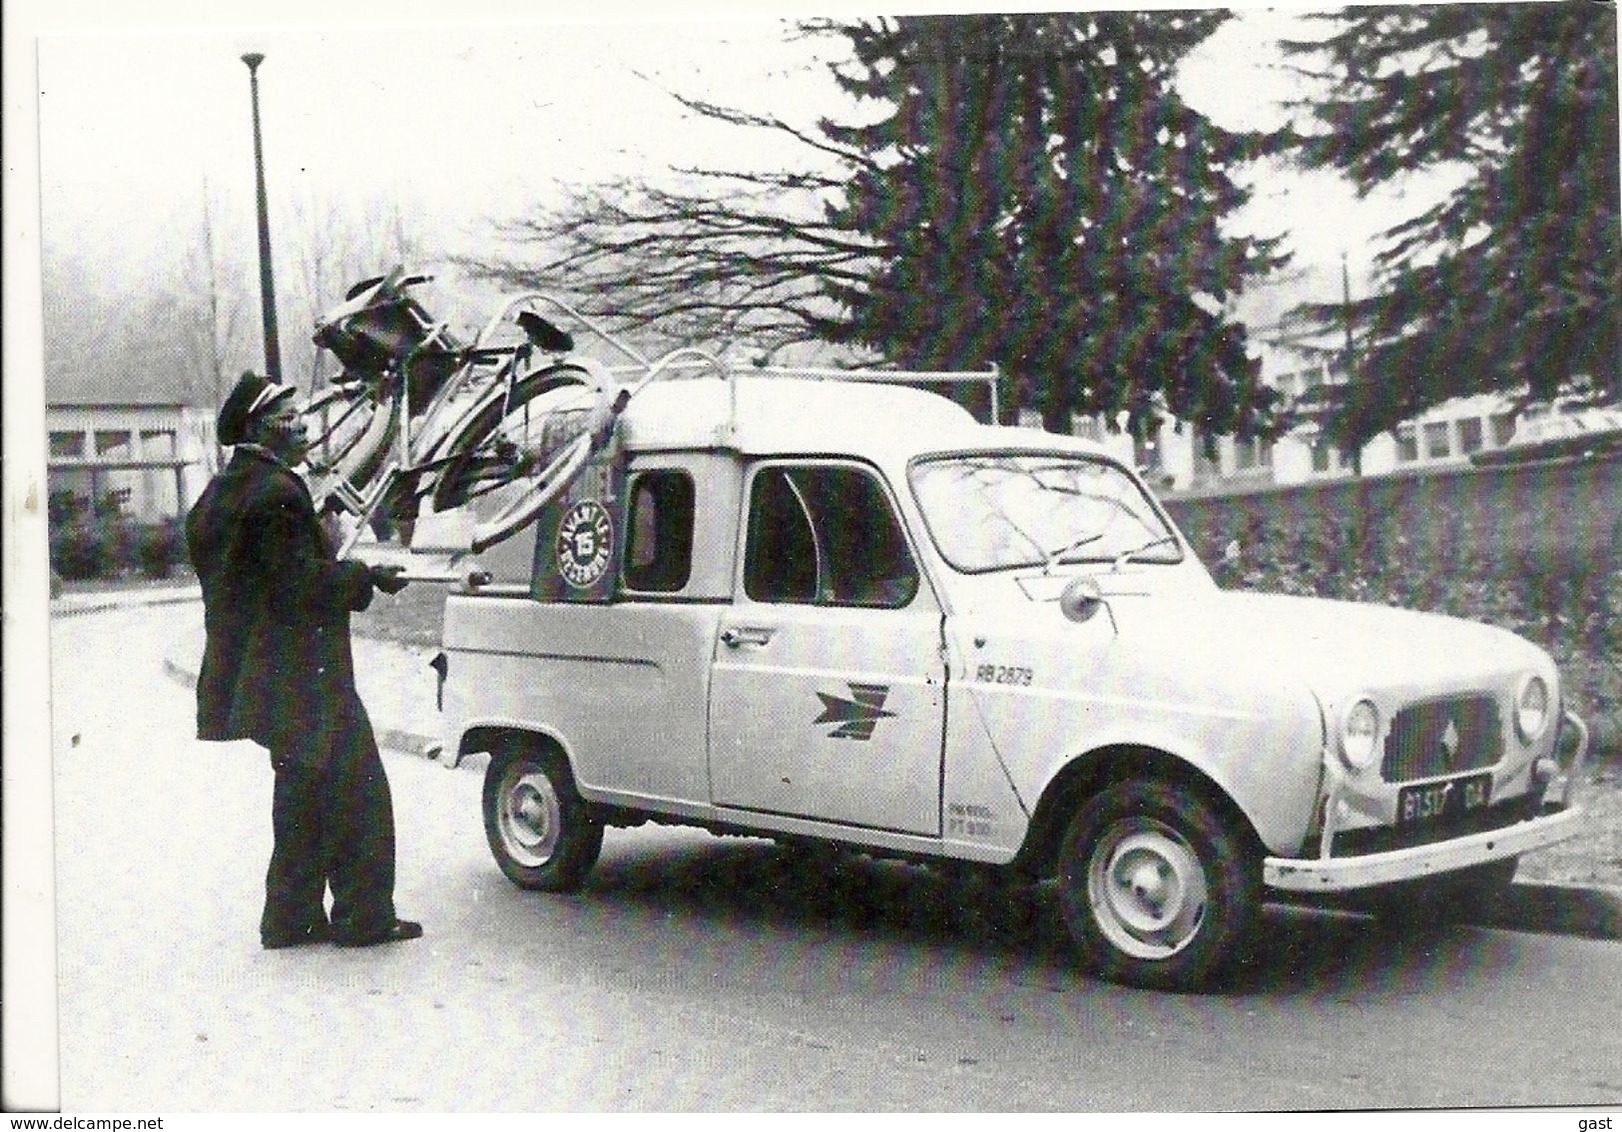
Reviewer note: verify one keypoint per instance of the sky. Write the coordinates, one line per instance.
(465, 124)
(472, 122)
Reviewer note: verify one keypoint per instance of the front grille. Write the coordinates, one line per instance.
(1443, 737)
(1381, 839)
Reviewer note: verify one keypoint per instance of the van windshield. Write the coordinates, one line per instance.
(998, 510)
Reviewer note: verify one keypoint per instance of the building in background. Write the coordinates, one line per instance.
(1306, 363)
(146, 461)
(127, 430)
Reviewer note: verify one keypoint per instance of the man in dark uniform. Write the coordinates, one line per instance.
(277, 669)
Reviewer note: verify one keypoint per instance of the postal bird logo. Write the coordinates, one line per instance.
(856, 716)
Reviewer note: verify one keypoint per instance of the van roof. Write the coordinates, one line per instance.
(760, 415)
(804, 416)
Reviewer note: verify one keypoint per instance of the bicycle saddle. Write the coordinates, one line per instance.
(543, 335)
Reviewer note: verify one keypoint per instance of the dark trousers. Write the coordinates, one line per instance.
(333, 818)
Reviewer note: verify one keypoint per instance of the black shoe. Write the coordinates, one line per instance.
(315, 933)
(397, 932)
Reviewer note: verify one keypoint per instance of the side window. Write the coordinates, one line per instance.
(825, 535)
(659, 550)
(780, 560)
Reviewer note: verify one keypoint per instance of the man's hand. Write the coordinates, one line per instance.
(333, 529)
(388, 579)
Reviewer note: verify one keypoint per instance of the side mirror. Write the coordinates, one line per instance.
(1081, 599)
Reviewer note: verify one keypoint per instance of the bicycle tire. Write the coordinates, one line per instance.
(367, 429)
(503, 443)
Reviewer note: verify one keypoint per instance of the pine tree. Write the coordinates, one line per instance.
(1030, 191)
(1512, 280)
(1054, 206)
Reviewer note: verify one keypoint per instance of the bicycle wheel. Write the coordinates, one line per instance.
(520, 448)
(351, 440)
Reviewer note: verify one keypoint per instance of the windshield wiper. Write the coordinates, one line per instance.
(1126, 556)
(1054, 556)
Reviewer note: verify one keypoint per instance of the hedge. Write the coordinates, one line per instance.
(1530, 548)
(115, 547)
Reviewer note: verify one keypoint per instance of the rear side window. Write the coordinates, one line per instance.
(659, 550)
(825, 535)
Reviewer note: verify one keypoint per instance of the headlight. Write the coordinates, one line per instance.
(1360, 735)
(1532, 709)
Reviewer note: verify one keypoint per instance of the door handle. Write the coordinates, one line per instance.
(736, 636)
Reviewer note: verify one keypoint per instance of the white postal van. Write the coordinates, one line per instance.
(850, 613)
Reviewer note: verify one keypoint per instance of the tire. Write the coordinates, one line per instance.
(487, 452)
(539, 828)
(1157, 888)
(1448, 898)
(356, 444)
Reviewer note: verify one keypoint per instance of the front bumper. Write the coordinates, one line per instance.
(1339, 874)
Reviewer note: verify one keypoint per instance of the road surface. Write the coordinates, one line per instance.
(704, 973)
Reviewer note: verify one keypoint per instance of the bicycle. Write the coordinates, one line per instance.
(426, 418)
(430, 419)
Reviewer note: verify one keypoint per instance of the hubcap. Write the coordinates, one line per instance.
(530, 819)
(1146, 889)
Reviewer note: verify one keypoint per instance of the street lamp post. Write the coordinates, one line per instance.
(1352, 390)
(267, 286)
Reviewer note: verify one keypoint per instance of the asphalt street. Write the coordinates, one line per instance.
(703, 973)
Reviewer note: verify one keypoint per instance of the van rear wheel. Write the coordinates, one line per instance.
(540, 830)
(1157, 887)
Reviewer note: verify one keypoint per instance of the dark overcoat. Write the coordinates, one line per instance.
(277, 666)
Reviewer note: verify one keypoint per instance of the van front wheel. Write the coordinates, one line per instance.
(1156, 887)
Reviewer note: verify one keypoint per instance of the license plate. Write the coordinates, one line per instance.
(1443, 799)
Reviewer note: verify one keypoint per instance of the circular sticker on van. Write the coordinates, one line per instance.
(585, 544)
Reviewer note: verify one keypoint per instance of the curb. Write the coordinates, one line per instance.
(1587, 911)
(388, 738)
(72, 605)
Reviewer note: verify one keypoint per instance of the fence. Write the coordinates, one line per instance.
(1551, 509)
